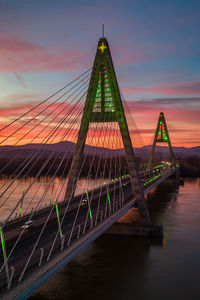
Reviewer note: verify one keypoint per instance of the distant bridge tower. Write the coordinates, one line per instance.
(104, 104)
(162, 136)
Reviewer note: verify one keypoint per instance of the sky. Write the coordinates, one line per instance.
(155, 48)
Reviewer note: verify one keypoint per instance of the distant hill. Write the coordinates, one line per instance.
(178, 151)
(63, 147)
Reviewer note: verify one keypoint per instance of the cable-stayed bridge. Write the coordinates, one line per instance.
(43, 228)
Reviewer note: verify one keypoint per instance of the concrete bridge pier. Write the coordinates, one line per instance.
(135, 229)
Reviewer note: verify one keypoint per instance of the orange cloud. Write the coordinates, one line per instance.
(40, 124)
(182, 117)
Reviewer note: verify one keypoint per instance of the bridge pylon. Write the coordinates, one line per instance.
(162, 136)
(104, 104)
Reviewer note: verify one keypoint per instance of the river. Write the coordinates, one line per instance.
(136, 268)
(38, 192)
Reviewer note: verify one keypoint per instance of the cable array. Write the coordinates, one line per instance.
(102, 184)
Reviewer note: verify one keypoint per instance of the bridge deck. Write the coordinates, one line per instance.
(79, 230)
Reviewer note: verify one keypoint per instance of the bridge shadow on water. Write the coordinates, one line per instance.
(159, 199)
(113, 267)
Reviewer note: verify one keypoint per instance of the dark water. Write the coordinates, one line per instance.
(118, 268)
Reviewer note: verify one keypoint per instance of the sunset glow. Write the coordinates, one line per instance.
(156, 62)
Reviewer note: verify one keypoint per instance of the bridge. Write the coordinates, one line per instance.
(39, 238)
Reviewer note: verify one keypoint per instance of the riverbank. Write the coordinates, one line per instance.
(190, 166)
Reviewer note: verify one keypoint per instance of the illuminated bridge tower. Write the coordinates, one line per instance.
(162, 136)
(104, 104)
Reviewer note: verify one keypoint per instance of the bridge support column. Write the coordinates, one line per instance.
(131, 229)
(96, 110)
(162, 136)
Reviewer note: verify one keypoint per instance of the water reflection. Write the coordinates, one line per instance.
(38, 193)
(118, 267)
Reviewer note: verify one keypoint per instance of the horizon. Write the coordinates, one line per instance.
(139, 147)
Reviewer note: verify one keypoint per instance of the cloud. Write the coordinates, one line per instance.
(152, 103)
(48, 117)
(14, 103)
(178, 109)
(17, 55)
(192, 88)
(182, 116)
(126, 55)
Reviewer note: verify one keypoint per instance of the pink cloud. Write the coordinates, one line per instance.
(124, 55)
(184, 108)
(182, 116)
(14, 104)
(192, 88)
(20, 56)
(44, 116)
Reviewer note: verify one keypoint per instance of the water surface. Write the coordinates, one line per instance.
(135, 268)
(39, 194)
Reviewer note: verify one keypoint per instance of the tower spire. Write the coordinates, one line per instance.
(104, 104)
(103, 30)
(162, 136)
